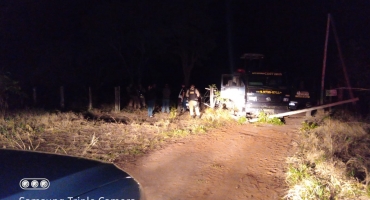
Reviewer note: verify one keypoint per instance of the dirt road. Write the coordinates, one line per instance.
(241, 162)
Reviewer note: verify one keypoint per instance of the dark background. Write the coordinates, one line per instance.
(106, 43)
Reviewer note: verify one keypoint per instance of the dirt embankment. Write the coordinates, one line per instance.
(241, 162)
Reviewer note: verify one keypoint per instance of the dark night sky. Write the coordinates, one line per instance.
(291, 34)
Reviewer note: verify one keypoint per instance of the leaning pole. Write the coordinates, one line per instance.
(308, 109)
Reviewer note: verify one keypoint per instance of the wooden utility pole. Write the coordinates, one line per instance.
(117, 103)
(308, 109)
(344, 68)
(90, 99)
(324, 61)
(62, 97)
(331, 21)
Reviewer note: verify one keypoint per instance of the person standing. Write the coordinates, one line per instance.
(181, 102)
(193, 94)
(150, 97)
(130, 93)
(157, 93)
(142, 96)
(166, 92)
(136, 97)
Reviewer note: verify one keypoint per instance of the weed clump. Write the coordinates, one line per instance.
(242, 120)
(308, 126)
(173, 113)
(264, 118)
(332, 162)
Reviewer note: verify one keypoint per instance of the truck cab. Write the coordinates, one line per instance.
(250, 92)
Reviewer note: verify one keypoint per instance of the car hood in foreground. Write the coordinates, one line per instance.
(62, 177)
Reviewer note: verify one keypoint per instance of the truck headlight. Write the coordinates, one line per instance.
(293, 103)
(252, 98)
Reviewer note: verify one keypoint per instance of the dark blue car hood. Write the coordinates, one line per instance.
(69, 178)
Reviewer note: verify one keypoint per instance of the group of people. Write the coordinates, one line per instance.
(136, 96)
(140, 97)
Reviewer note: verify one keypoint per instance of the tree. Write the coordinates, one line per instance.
(129, 32)
(191, 36)
(140, 32)
(8, 87)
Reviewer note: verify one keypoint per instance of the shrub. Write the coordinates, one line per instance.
(242, 120)
(333, 157)
(264, 118)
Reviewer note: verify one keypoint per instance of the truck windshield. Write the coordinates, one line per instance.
(265, 80)
(232, 80)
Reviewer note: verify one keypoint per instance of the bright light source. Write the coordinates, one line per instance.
(230, 93)
(252, 98)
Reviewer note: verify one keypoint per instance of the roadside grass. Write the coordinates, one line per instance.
(264, 118)
(332, 161)
(102, 135)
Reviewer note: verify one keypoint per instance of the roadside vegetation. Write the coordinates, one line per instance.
(265, 119)
(103, 135)
(333, 160)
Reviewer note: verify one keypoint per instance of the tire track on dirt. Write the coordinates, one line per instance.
(242, 162)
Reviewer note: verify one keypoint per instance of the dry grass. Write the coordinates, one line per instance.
(102, 135)
(333, 160)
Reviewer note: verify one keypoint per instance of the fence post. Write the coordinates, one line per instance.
(34, 95)
(211, 99)
(117, 99)
(90, 99)
(61, 97)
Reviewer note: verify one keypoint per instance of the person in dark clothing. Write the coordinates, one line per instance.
(142, 92)
(166, 92)
(136, 97)
(129, 90)
(150, 97)
(181, 103)
(157, 94)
